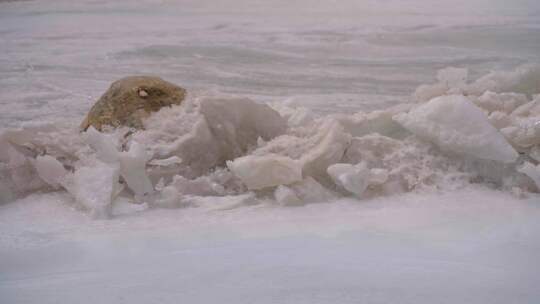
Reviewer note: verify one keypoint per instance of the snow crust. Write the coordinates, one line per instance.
(224, 146)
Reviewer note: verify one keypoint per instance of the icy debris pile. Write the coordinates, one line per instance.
(459, 132)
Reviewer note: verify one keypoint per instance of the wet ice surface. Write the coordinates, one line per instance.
(473, 245)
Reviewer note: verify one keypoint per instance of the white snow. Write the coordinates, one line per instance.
(408, 249)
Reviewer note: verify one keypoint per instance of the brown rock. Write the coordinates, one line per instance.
(129, 100)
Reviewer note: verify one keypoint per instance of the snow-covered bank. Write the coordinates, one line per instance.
(471, 246)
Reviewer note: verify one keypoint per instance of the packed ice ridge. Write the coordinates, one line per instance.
(456, 133)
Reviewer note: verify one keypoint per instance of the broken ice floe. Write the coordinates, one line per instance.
(455, 124)
(486, 131)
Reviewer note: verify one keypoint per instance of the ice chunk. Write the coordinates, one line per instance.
(381, 122)
(502, 102)
(94, 186)
(353, 178)
(258, 172)
(180, 132)
(133, 169)
(427, 92)
(456, 124)
(531, 171)
(132, 163)
(237, 123)
(286, 196)
(173, 160)
(165, 142)
(25, 135)
(168, 197)
(22, 173)
(357, 178)
(201, 186)
(524, 133)
(373, 149)
(15, 157)
(378, 176)
(310, 191)
(50, 170)
(224, 128)
(524, 80)
(450, 81)
(301, 117)
(534, 153)
(529, 109)
(329, 150)
(500, 120)
(103, 144)
(296, 116)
